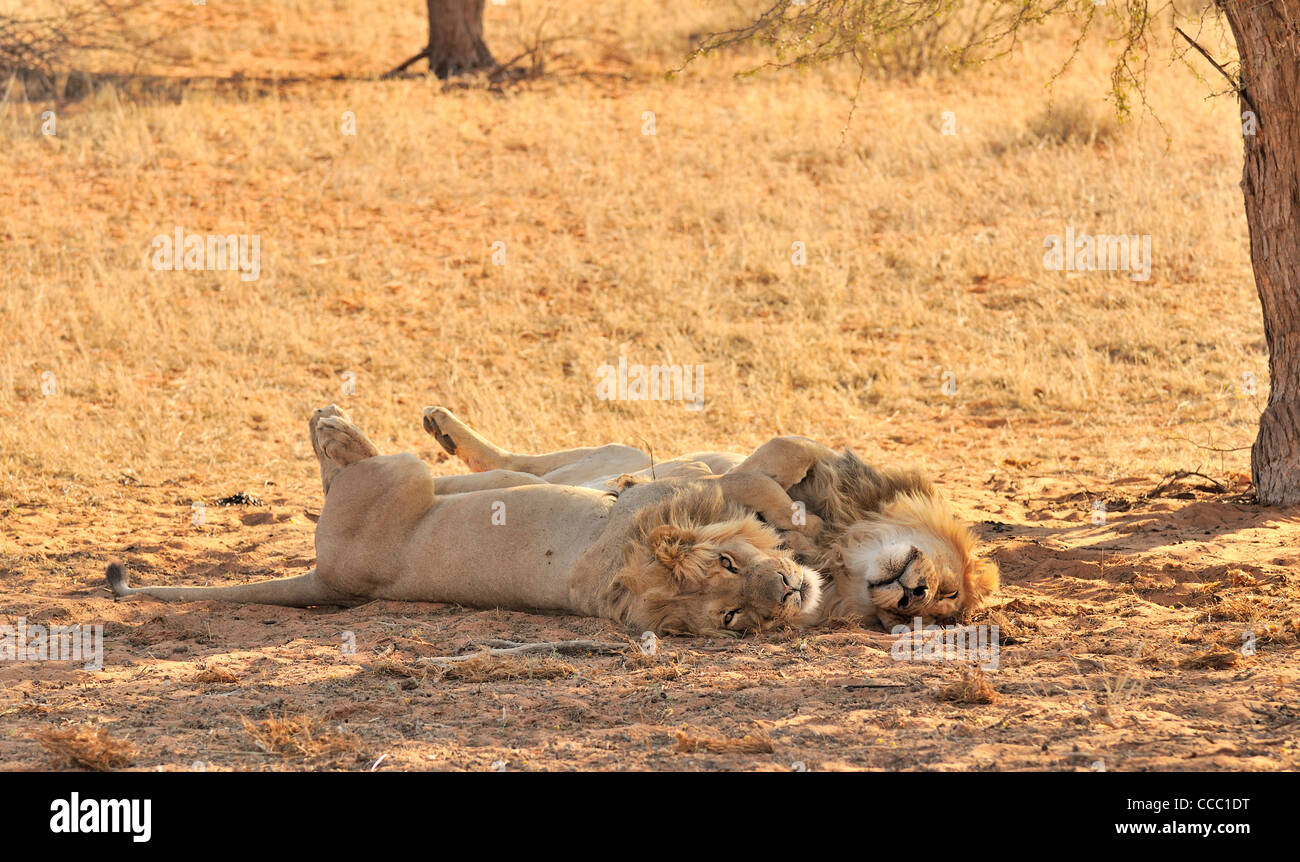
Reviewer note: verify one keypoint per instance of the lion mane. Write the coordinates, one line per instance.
(662, 578)
(845, 491)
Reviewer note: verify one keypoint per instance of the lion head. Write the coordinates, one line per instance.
(695, 564)
(914, 559)
(894, 549)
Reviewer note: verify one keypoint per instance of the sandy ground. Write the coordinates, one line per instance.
(1121, 648)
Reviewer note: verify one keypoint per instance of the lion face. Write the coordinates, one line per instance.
(747, 588)
(720, 579)
(905, 574)
(907, 565)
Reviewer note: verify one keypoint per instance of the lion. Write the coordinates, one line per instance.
(673, 557)
(889, 545)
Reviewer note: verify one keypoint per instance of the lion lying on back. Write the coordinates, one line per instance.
(889, 545)
(673, 557)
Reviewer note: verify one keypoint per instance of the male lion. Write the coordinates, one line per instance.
(670, 557)
(891, 547)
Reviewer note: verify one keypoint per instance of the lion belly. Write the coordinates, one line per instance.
(508, 548)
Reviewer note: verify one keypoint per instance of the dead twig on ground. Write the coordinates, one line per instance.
(504, 648)
(1177, 476)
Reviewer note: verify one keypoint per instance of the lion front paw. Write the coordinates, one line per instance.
(801, 545)
(812, 525)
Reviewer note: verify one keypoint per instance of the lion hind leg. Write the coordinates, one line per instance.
(337, 443)
(458, 439)
(488, 480)
(565, 467)
(300, 591)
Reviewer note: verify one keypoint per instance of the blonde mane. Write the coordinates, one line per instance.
(659, 581)
(845, 491)
(931, 513)
(702, 508)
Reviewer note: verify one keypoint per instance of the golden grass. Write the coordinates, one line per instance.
(216, 675)
(1074, 119)
(480, 668)
(1213, 659)
(86, 748)
(1260, 633)
(1246, 609)
(972, 687)
(924, 258)
(750, 743)
(302, 735)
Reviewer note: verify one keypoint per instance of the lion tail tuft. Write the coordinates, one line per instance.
(117, 579)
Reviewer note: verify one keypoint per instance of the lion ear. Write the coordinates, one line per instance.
(674, 548)
(671, 545)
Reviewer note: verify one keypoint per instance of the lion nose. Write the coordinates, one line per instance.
(791, 589)
(912, 597)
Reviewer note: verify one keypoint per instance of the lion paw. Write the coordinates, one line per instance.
(328, 410)
(342, 442)
(812, 526)
(803, 548)
(337, 443)
(432, 417)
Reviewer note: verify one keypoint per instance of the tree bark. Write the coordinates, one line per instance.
(456, 43)
(1268, 43)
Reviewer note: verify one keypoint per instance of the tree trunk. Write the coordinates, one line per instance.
(456, 43)
(1268, 44)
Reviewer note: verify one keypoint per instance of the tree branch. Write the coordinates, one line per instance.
(1232, 82)
(401, 67)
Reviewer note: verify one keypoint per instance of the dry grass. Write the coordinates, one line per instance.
(1213, 659)
(491, 669)
(972, 687)
(87, 748)
(1115, 695)
(663, 672)
(923, 258)
(480, 668)
(300, 736)
(1285, 632)
(750, 743)
(1075, 118)
(216, 675)
(1241, 608)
